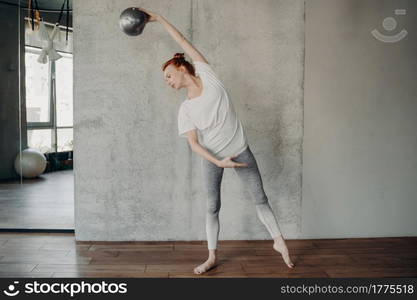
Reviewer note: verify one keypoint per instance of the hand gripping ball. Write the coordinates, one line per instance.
(132, 21)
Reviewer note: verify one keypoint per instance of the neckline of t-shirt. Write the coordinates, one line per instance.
(202, 90)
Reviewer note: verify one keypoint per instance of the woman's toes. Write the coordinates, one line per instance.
(290, 263)
(208, 265)
(199, 270)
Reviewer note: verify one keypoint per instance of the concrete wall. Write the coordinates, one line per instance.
(360, 138)
(10, 138)
(135, 179)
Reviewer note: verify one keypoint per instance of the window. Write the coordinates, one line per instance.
(64, 90)
(38, 106)
(40, 139)
(49, 115)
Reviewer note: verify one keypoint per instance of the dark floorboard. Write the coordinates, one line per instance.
(46, 202)
(59, 255)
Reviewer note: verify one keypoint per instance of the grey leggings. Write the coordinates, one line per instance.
(251, 180)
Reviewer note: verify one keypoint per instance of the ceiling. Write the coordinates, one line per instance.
(50, 9)
(43, 4)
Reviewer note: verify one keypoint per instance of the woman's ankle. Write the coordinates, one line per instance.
(279, 239)
(212, 254)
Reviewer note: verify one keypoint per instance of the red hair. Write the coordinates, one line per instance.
(178, 60)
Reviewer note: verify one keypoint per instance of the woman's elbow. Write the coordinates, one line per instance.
(193, 145)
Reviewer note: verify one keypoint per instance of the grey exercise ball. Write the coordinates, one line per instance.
(132, 21)
(30, 163)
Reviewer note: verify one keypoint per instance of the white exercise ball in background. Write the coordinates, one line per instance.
(30, 163)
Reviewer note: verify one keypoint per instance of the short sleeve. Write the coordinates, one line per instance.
(201, 66)
(184, 123)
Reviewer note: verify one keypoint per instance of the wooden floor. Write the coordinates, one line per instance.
(58, 255)
(46, 202)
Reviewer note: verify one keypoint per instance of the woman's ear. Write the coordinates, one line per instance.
(182, 69)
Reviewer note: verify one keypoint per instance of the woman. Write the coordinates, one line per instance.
(209, 122)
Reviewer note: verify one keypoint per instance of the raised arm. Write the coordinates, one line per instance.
(188, 48)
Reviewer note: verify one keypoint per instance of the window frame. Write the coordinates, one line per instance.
(42, 125)
(52, 124)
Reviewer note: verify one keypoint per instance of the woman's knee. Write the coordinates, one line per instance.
(213, 208)
(256, 190)
(260, 198)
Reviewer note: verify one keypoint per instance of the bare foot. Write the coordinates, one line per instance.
(206, 266)
(281, 247)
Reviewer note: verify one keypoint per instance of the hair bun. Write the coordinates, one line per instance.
(179, 56)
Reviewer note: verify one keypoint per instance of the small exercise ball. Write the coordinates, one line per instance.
(132, 21)
(30, 163)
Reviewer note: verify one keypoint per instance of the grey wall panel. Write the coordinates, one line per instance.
(360, 138)
(135, 179)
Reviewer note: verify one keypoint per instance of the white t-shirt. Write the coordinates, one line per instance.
(213, 115)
